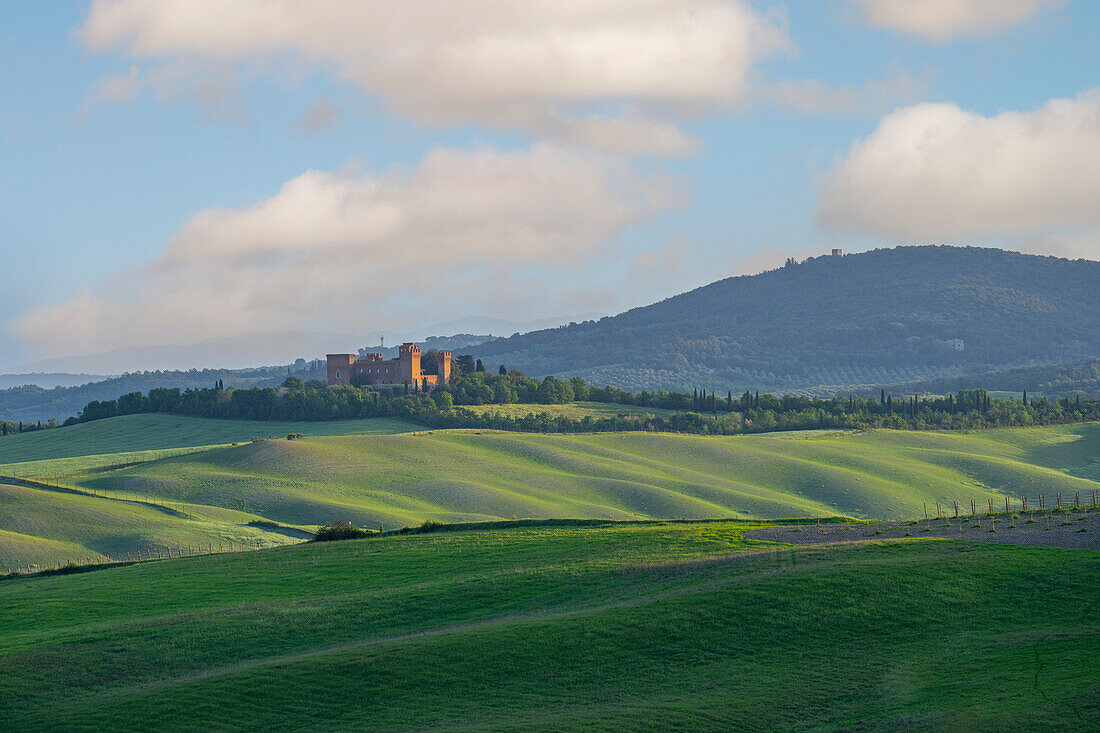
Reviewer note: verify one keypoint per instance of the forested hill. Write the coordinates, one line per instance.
(879, 317)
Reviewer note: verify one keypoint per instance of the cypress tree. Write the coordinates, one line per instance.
(1025, 398)
(882, 397)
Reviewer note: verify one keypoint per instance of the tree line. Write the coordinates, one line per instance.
(700, 412)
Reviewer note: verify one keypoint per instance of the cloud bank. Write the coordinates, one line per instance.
(934, 172)
(944, 20)
(464, 231)
(613, 74)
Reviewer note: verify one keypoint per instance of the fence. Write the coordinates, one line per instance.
(1042, 503)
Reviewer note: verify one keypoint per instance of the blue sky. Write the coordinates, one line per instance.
(177, 171)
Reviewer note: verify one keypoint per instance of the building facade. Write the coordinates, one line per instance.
(372, 369)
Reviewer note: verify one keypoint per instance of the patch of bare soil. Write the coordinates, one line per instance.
(1080, 529)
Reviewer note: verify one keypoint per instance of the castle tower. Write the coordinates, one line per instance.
(408, 364)
(443, 367)
(339, 368)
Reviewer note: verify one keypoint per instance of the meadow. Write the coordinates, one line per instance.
(226, 493)
(153, 432)
(609, 626)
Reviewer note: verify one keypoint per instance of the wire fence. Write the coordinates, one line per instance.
(142, 555)
(1041, 503)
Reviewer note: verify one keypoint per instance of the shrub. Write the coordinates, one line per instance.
(339, 531)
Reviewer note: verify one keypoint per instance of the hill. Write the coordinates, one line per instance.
(458, 476)
(222, 491)
(880, 317)
(676, 626)
(32, 403)
(34, 397)
(155, 432)
(1056, 380)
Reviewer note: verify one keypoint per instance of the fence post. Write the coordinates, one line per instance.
(1025, 504)
(956, 507)
(973, 509)
(1042, 504)
(1059, 499)
(1077, 499)
(926, 511)
(1008, 509)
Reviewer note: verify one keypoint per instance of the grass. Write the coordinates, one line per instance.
(132, 433)
(469, 476)
(43, 528)
(453, 476)
(606, 627)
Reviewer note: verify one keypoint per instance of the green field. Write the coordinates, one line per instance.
(45, 527)
(614, 627)
(132, 433)
(403, 479)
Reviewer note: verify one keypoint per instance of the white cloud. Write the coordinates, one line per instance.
(934, 172)
(576, 69)
(211, 87)
(943, 20)
(360, 253)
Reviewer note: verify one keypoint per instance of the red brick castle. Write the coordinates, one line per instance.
(373, 369)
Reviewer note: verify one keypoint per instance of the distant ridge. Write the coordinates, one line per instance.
(879, 317)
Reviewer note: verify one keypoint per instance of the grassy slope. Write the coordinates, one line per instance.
(402, 480)
(636, 627)
(41, 527)
(457, 476)
(159, 432)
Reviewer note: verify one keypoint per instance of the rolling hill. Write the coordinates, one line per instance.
(836, 322)
(224, 492)
(612, 627)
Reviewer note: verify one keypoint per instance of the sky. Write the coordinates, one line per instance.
(183, 170)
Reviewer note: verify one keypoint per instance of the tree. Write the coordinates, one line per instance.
(581, 391)
(294, 384)
(429, 362)
(554, 391)
(443, 399)
(502, 371)
(502, 393)
(480, 367)
(464, 364)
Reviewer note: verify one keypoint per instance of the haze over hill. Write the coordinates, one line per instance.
(881, 317)
(255, 349)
